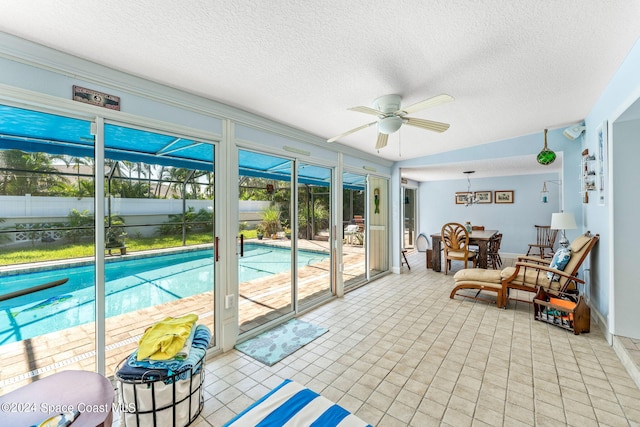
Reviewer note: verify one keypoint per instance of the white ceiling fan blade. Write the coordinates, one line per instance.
(427, 124)
(431, 102)
(367, 110)
(382, 140)
(351, 131)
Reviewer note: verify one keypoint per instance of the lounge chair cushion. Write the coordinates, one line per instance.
(579, 243)
(560, 260)
(478, 275)
(532, 277)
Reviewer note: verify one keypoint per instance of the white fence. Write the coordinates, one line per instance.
(29, 209)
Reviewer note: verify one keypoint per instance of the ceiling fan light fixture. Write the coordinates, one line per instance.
(389, 125)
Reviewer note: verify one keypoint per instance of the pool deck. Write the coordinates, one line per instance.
(260, 301)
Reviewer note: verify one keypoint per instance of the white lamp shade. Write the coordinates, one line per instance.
(563, 221)
(389, 125)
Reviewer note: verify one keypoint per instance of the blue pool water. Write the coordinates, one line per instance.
(130, 285)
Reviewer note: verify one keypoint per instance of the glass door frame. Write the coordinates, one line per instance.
(178, 131)
(296, 161)
(406, 188)
(242, 336)
(97, 123)
(332, 234)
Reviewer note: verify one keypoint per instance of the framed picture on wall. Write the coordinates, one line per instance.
(504, 196)
(462, 197)
(483, 196)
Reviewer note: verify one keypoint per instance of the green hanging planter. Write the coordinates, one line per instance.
(546, 156)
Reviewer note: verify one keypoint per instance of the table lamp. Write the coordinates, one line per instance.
(563, 221)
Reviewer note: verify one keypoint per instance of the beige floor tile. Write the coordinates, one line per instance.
(399, 352)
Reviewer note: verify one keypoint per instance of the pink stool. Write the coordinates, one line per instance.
(88, 392)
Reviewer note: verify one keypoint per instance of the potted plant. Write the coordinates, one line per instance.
(287, 233)
(115, 240)
(260, 231)
(271, 221)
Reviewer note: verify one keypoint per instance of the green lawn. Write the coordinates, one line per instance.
(40, 252)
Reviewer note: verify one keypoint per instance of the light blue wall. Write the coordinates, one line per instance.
(515, 221)
(616, 296)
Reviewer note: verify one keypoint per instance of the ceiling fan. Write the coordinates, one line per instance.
(391, 116)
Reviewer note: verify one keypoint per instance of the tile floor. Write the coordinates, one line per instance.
(400, 352)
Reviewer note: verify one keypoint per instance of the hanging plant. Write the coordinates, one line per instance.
(546, 156)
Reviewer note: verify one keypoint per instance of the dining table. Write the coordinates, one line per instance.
(476, 237)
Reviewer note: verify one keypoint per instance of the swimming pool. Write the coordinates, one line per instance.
(130, 285)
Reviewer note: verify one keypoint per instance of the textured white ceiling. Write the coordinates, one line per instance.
(513, 67)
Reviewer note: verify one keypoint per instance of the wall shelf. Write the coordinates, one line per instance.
(588, 175)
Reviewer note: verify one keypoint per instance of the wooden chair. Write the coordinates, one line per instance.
(531, 273)
(455, 241)
(494, 252)
(545, 239)
(476, 228)
(403, 251)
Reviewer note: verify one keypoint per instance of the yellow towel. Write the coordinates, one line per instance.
(166, 338)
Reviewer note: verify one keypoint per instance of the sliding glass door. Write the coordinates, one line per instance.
(354, 267)
(315, 267)
(47, 264)
(284, 235)
(265, 260)
(409, 224)
(159, 233)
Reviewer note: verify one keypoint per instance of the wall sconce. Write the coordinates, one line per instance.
(544, 194)
(574, 132)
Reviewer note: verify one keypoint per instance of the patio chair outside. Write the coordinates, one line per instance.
(352, 234)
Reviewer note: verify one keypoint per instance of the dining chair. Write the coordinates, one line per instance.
(455, 241)
(545, 239)
(472, 246)
(494, 252)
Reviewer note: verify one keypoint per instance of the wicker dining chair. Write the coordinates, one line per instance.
(455, 240)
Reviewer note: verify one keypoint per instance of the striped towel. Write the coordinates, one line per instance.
(291, 404)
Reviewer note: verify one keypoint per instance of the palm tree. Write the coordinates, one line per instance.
(77, 162)
(27, 173)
